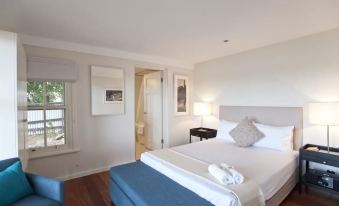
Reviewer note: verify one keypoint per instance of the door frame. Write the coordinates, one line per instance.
(165, 98)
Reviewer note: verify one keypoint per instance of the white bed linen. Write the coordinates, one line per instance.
(193, 174)
(270, 169)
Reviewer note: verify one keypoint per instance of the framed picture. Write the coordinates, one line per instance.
(114, 96)
(107, 90)
(181, 103)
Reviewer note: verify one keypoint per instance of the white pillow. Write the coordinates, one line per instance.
(276, 138)
(224, 129)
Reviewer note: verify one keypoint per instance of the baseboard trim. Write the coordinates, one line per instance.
(88, 172)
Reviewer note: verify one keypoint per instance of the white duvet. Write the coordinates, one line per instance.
(266, 171)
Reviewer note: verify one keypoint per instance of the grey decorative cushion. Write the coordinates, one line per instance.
(246, 133)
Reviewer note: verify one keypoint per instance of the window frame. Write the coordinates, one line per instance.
(68, 114)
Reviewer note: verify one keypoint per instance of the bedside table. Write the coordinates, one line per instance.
(203, 133)
(324, 180)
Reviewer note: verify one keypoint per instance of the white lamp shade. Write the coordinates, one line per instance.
(324, 113)
(202, 108)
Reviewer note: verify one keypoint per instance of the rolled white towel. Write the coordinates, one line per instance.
(237, 176)
(221, 175)
(225, 166)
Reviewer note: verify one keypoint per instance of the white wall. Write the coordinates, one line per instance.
(179, 126)
(8, 95)
(22, 103)
(104, 140)
(291, 73)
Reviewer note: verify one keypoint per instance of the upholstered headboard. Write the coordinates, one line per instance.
(278, 116)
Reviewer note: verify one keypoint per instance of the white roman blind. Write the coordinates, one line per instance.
(50, 69)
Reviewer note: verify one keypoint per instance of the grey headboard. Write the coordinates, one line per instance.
(278, 116)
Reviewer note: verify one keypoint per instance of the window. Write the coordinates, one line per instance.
(48, 115)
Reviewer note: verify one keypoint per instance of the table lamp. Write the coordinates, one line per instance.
(326, 114)
(201, 109)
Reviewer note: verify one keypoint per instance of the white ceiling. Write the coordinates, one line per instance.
(187, 30)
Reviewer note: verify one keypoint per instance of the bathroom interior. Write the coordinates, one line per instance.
(148, 110)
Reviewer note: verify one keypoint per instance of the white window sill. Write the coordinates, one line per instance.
(38, 155)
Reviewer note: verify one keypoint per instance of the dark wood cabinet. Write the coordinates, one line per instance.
(326, 180)
(202, 133)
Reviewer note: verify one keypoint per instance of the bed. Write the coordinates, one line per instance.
(177, 176)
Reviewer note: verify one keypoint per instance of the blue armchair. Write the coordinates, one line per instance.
(47, 191)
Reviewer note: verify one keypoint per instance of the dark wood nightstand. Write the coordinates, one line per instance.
(203, 133)
(324, 180)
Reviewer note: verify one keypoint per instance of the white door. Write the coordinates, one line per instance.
(153, 110)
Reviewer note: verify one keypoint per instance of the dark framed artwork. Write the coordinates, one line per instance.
(181, 94)
(114, 96)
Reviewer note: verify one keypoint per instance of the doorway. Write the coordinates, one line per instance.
(148, 110)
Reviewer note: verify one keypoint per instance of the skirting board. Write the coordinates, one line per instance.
(88, 172)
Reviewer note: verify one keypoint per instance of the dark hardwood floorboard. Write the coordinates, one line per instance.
(311, 198)
(93, 191)
(88, 191)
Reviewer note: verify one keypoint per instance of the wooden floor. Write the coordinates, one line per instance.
(88, 191)
(93, 191)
